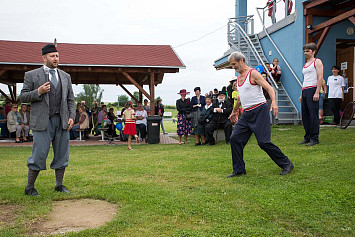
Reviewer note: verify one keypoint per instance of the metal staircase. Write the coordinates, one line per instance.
(249, 45)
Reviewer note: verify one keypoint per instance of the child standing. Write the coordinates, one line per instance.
(130, 125)
(235, 96)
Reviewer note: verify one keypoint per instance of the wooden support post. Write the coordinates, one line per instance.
(12, 94)
(129, 93)
(309, 21)
(14, 91)
(136, 84)
(152, 95)
(140, 99)
(3, 93)
(333, 21)
(322, 38)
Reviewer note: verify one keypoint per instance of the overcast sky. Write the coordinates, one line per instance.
(133, 22)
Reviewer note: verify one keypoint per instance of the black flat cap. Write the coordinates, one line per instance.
(49, 48)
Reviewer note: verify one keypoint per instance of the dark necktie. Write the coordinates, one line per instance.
(54, 78)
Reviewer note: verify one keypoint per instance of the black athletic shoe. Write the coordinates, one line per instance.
(235, 174)
(288, 169)
(31, 192)
(312, 143)
(62, 189)
(303, 142)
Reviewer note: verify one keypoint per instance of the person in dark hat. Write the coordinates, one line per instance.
(221, 111)
(50, 92)
(183, 106)
(197, 103)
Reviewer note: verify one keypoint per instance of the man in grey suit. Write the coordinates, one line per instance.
(50, 92)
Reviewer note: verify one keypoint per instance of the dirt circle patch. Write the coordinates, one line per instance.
(8, 214)
(75, 215)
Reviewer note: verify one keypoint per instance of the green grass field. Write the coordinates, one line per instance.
(172, 190)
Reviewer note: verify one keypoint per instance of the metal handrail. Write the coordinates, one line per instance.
(278, 50)
(254, 51)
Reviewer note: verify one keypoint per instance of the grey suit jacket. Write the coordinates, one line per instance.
(39, 115)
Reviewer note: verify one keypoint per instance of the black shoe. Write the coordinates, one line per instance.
(303, 142)
(197, 144)
(312, 143)
(228, 143)
(62, 189)
(235, 174)
(288, 169)
(211, 144)
(204, 143)
(31, 192)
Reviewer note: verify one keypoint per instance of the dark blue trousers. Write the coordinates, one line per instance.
(310, 116)
(255, 121)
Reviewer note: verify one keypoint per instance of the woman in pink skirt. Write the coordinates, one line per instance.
(130, 125)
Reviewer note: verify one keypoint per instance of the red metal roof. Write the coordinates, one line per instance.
(20, 52)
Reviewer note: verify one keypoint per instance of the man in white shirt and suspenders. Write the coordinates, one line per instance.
(312, 82)
(255, 118)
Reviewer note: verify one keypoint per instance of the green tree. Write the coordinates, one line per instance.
(90, 94)
(135, 94)
(122, 99)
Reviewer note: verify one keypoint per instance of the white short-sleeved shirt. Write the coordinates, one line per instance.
(335, 84)
(143, 114)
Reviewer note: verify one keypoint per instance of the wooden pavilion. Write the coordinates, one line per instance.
(119, 65)
(333, 11)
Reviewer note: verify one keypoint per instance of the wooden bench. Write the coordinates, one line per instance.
(103, 130)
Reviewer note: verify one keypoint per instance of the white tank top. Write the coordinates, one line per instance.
(251, 95)
(310, 78)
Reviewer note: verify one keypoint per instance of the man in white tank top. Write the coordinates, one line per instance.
(312, 82)
(255, 118)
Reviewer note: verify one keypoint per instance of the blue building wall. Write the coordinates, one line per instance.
(290, 41)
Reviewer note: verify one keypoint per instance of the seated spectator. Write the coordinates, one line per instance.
(100, 117)
(3, 126)
(105, 122)
(141, 121)
(111, 116)
(146, 106)
(221, 111)
(24, 116)
(276, 70)
(77, 113)
(267, 65)
(82, 124)
(14, 124)
(204, 118)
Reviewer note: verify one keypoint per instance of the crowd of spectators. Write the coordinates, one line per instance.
(201, 115)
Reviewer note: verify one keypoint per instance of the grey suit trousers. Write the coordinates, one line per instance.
(41, 145)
